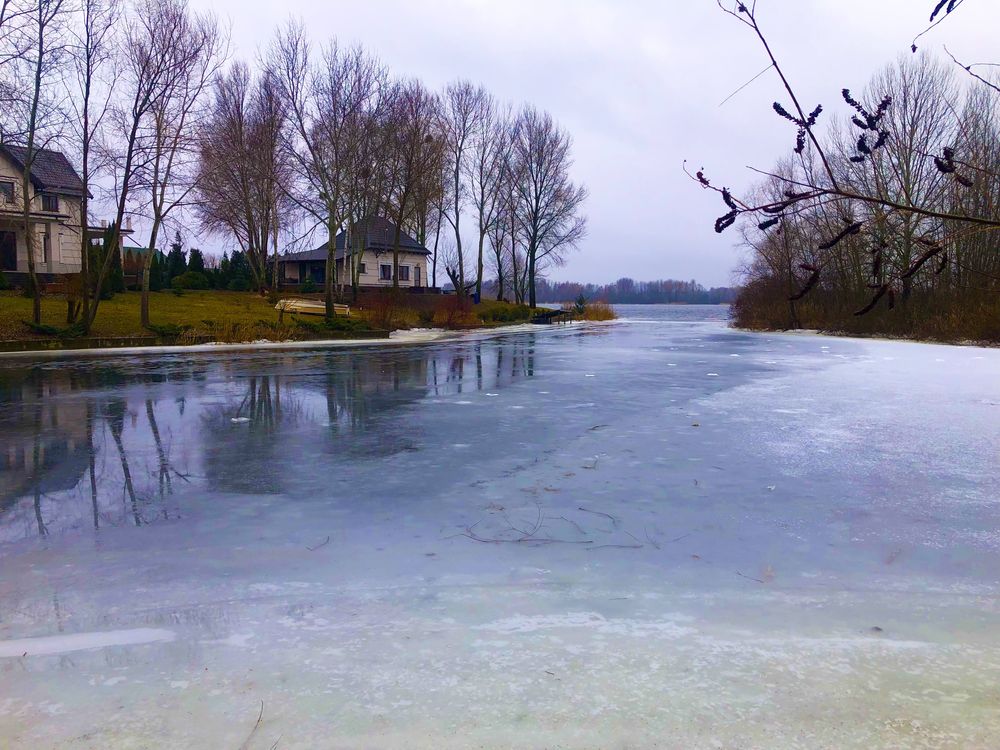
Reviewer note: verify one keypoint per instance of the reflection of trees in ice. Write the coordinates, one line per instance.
(77, 450)
(105, 443)
(242, 437)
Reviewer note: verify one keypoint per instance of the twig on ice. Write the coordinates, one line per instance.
(535, 528)
(260, 716)
(614, 520)
(617, 546)
(522, 540)
(321, 544)
(749, 578)
(574, 524)
(649, 538)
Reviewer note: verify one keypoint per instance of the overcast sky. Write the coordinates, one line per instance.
(638, 84)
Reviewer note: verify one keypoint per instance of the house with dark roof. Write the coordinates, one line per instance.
(56, 190)
(366, 248)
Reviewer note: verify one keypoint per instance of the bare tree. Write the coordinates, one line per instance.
(491, 145)
(243, 169)
(94, 47)
(17, 18)
(147, 64)
(170, 148)
(367, 194)
(43, 59)
(502, 241)
(466, 110)
(327, 104)
(821, 182)
(415, 155)
(548, 202)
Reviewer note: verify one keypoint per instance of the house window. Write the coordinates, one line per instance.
(362, 268)
(6, 192)
(404, 273)
(50, 202)
(46, 248)
(385, 272)
(416, 275)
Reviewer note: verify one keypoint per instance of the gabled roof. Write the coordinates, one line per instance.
(381, 236)
(50, 170)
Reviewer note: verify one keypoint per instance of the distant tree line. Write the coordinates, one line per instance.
(888, 219)
(629, 291)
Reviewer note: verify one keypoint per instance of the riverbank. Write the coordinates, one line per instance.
(409, 337)
(214, 318)
(971, 318)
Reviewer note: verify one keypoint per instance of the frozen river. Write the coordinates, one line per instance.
(653, 533)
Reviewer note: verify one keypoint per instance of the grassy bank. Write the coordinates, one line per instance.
(944, 317)
(596, 311)
(238, 317)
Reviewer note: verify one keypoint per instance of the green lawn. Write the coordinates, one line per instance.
(204, 312)
(246, 316)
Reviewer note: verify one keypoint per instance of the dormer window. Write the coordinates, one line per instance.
(50, 202)
(6, 192)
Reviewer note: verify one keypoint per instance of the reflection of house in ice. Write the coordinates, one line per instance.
(45, 445)
(332, 403)
(149, 431)
(331, 408)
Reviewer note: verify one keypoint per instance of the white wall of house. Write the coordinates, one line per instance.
(60, 253)
(412, 269)
(377, 267)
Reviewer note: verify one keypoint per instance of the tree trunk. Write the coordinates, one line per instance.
(329, 278)
(83, 309)
(274, 269)
(434, 262)
(461, 261)
(531, 275)
(29, 157)
(479, 267)
(147, 266)
(395, 255)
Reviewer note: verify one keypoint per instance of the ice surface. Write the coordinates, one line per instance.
(473, 543)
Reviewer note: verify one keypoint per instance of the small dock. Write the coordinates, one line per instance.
(548, 317)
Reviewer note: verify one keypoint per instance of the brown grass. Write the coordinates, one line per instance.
(929, 316)
(390, 310)
(591, 311)
(598, 311)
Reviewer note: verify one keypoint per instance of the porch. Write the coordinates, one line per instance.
(51, 258)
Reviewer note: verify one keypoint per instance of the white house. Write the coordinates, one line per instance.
(54, 198)
(377, 237)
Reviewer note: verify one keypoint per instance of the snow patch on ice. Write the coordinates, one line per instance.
(589, 620)
(61, 644)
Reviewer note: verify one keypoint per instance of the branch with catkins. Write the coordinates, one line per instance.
(946, 165)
